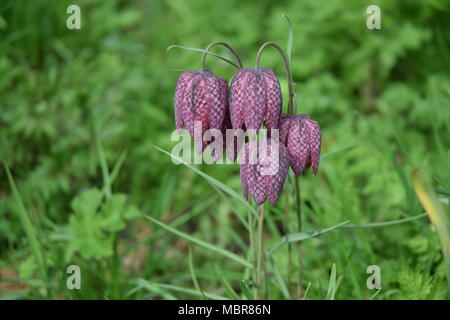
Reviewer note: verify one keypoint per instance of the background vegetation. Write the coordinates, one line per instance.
(81, 110)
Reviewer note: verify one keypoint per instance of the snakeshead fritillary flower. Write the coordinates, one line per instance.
(229, 146)
(302, 137)
(255, 96)
(264, 170)
(200, 97)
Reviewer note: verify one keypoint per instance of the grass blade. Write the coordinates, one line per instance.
(227, 285)
(194, 277)
(328, 154)
(384, 223)
(437, 216)
(116, 169)
(279, 279)
(448, 177)
(104, 168)
(28, 227)
(306, 291)
(212, 181)
(332, 283)
(201, 243)
(294, 237)
(145, 284)
(375, 294)
(290, 38)
(246, 291)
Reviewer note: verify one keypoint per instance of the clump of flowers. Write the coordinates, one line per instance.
(265, 141)
(252, 101)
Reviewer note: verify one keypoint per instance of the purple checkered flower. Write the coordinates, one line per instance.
(200, 96)
(264, 168)
(229, 146)
(255, 98)
(302, 137)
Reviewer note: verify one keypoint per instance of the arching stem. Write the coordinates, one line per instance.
(286, 67)
(226, 45)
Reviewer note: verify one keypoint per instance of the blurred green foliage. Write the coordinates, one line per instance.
(385, 92)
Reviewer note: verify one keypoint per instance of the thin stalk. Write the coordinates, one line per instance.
(226, 45)
(448, 204)
(286, 67)
(298, 209)
(260, 260)
(287, 231)
(252, 248)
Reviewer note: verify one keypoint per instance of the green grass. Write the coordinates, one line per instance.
(85, 125)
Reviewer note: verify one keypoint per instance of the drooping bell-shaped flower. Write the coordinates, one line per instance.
(230, 145)
(301, 135)
(255, 98)
(201, 100)
(264, 167)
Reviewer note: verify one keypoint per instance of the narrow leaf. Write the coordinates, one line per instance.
(436, 214)
(332, 283)
(290, 38)
(144, 284)
(204, 51)
(295, 237)
(212, 181)
(201, 243)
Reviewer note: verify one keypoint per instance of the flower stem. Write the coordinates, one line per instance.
(261, 276)
(287, 231)
(298, 208)
(252, 246)
(226, 45)
(286, 67)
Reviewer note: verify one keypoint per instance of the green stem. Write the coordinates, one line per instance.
(298, 209)
(252, 247)
(286, 67)
(260, 261)
(287, 231)
(226, 45)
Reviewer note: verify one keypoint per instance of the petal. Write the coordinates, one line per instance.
(200, 109)
(315, 142)
(254, 100)
(244, 174)
(182, 84)
(274, 99)
(285, 122)
(217, 101)
(187, 108)
(237, 99)
(276, 181)
(256, 183)
(297, 146)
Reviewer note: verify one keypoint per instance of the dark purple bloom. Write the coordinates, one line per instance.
(200, 97)
(264, 168)
(302, 137)
(255, 97)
